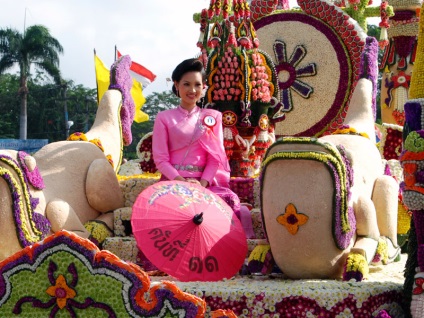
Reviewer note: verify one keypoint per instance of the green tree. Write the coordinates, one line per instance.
(46, 108)
(35, 47)
(9, 100)
(155, 102)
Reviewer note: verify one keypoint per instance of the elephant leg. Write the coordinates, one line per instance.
(63, 217)
(102, 187)
(366, 218)
(385, 198)
(366, 228)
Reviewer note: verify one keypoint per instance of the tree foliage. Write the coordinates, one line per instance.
(46, 108)
(155, 102)
(34, 47)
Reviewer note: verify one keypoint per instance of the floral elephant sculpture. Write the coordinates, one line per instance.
(328, 208)
(72, 184)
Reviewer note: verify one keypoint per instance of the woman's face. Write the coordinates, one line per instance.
(190, 89)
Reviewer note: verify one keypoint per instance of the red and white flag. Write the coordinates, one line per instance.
(140, 73)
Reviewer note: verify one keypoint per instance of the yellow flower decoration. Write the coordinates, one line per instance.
(356, 262)
(61, 291)
(98, 143)
(78, 136)
(99, 231)
(291, 219)
(263, 122)
(350, 131)
(109, 158)
(259, 253)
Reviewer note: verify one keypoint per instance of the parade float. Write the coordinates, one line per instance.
(297, 89)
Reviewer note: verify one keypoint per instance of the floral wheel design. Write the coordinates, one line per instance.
(289, 73)
(263, 122)
(229, 118)
(314, 69)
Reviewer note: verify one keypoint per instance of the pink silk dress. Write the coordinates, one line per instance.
(190, 144)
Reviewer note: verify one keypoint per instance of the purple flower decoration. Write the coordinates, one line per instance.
(121, 80)
(34, 177)
(289, 73)
(26, 220)
(383, 314)
(413, 113)
(369, 68)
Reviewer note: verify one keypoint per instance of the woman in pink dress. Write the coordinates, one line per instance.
(188, 140)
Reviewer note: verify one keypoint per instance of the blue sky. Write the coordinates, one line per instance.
(156, 33)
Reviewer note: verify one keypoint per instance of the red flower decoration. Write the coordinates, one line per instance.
(401, 79)
(419, 289)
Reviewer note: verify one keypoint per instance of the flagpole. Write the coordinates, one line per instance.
(115, 52)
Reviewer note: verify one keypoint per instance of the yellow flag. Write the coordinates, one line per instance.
(103, 81)
(102, 78)
(139, 100)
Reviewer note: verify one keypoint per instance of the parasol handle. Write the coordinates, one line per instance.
(198, 218)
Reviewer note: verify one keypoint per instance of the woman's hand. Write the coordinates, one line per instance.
(192, 180)
(204, 183)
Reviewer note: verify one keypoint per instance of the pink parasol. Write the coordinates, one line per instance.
(188, 232)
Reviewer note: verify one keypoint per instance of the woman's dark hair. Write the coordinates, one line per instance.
(189, 65)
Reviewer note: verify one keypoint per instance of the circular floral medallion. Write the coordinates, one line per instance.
(314, 71)
(263, 122)
(229, 118)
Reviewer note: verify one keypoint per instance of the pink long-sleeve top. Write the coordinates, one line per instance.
(182, 138)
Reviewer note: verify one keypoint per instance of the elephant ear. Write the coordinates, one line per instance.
(121, 80)
(102, 187)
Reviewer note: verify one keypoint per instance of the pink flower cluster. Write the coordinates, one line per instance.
(259, 80)
(227, 78)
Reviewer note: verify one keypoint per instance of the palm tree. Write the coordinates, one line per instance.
(35, 47)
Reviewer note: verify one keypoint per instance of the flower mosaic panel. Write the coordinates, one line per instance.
(65, 274)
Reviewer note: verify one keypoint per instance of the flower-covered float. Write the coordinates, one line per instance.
(297, 95)
(310, 96)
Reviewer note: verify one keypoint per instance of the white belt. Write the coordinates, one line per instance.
(191, 168)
